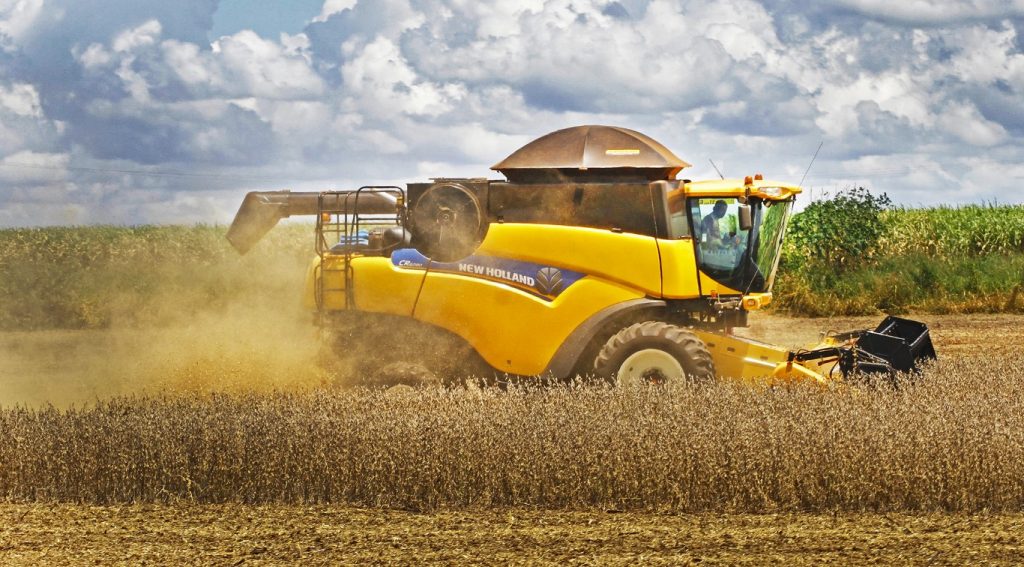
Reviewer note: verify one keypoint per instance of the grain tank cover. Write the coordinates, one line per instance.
(594, 152)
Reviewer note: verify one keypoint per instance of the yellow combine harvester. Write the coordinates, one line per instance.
(590, 258)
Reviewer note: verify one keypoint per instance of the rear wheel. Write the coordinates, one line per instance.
(654, 352)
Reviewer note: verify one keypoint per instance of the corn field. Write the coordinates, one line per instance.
(954, 441)
(939, 260)
(94, 277)
(971, 230)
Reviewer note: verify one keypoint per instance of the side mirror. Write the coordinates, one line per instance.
(746, 222)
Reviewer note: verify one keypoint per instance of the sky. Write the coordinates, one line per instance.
(148, 111)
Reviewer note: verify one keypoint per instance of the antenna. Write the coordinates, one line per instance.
(716, 168)
(801, 184)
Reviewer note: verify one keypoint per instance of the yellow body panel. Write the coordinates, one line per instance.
(736, 357)
(384, 289)
(679, 268)
(710, 286)
(309, 297)
(629, 259)
(756, 362)
(514, 331)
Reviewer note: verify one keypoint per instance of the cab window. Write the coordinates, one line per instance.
(717, 229)
(679, 224)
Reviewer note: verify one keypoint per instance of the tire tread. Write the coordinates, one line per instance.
(699, 366)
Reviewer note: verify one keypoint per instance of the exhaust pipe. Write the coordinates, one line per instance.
(262, 210)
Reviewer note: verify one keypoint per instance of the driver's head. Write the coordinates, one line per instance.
(720, 208)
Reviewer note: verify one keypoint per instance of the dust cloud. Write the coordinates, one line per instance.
(213, 322)
(235, 349)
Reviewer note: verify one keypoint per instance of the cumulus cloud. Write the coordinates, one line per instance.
(332, 7)
(16, 19)
(243, 65)
(27, 168)
(125, 111)
(927, 12)
(573, 56)
(20, 99)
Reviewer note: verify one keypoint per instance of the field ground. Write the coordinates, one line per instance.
(955, 336)
(237, 535)
(76, 367)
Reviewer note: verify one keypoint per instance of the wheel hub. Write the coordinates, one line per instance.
(649, 366)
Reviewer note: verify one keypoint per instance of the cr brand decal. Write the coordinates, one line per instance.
(544, 281)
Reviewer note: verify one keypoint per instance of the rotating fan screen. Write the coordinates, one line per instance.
(447, 223)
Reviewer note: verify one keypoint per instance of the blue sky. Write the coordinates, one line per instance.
(266, 17)
(148, 111)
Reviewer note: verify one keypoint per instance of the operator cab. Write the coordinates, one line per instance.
(737, 227)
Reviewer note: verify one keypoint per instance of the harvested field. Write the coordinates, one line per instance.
(976, 337)
(248, 535)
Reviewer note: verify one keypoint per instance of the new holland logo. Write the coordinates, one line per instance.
(549, 281)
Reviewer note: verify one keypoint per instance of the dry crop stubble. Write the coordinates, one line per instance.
(952, 442)
(331, 535)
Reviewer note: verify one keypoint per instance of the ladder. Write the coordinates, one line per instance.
(345, 229)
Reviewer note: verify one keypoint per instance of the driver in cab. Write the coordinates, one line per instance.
(712, 235)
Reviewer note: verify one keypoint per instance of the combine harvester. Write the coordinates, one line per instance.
(590, 259)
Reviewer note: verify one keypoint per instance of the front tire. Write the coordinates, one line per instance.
(654, 352)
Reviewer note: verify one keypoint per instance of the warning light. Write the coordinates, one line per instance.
(748, 180)
(758, 177)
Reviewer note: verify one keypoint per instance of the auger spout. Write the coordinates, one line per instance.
(262, 210)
